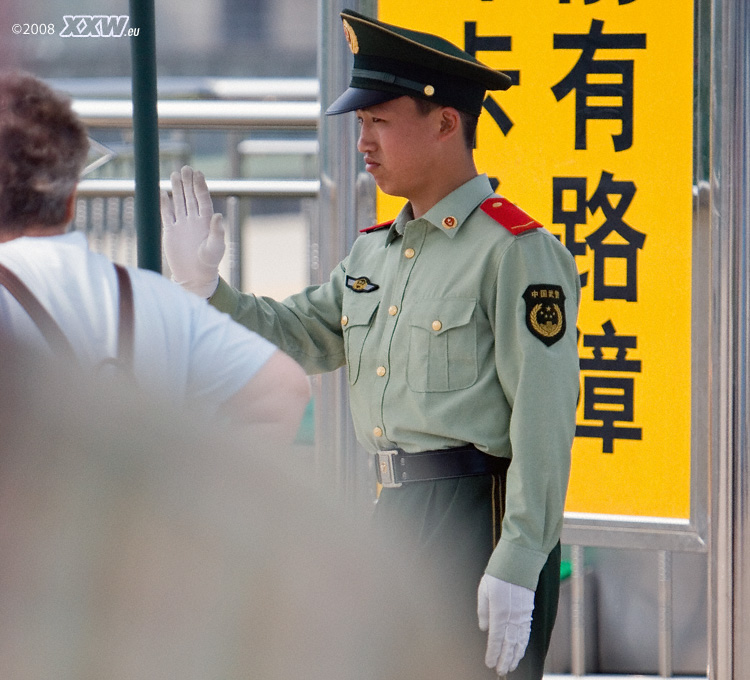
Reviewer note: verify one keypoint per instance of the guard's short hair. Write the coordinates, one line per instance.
(43, 148)
(469, 121)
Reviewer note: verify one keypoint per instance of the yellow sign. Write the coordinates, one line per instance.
(595, 141)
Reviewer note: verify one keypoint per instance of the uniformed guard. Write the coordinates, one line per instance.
(456, 323)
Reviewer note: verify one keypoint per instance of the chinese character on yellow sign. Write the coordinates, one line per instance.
(595, 140)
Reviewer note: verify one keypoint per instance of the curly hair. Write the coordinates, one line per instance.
(43, 148)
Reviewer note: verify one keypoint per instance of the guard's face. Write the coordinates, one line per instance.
(398, 143)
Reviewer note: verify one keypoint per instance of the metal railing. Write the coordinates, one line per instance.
(104, 113)
(105, 205)
(219, 188)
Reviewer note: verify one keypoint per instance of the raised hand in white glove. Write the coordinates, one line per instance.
(192, 234)
(505, 610)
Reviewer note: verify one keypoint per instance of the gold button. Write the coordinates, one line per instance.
(377, 432)
(344, 320)
(380, 370)
(429, 90)
(393, 310)
(409, 253)
(436, 325)
(449, 222)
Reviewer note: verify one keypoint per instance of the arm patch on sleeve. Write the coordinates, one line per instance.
(545, 312)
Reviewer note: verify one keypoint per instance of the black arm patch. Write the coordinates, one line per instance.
(545, 312)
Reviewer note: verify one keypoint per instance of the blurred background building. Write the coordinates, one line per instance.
(239, 38)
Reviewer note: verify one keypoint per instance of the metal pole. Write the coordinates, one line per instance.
(665, 613)
(339, 218)
(145, 133)
(729, 653)
(578, 612)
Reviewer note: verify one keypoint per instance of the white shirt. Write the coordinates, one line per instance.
(185, 350)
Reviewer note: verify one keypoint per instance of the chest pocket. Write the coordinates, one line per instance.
(356, 323)
(442, 346)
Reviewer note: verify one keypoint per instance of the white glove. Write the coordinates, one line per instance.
(504, 609)
(192, 235)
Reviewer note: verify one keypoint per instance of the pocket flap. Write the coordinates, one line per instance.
(361, 313)
(439, 316)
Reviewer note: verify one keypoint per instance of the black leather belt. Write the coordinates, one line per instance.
(396, 467)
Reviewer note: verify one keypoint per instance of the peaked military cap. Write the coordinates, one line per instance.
(391, 62)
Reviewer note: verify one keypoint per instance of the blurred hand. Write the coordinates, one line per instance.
(192, 234)
(504, 611)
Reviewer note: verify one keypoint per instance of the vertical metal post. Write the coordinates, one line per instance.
(578, 612)
(729, 653)
(235, 215)
(339, 219)
(234, 241)
(145, 133)
(665, 613)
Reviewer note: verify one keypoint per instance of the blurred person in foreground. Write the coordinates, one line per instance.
(74, 307)
(456, 322)
(131, 549)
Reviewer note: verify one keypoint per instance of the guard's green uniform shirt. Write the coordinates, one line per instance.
(441, 324)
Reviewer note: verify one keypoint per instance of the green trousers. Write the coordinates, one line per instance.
(451, 527)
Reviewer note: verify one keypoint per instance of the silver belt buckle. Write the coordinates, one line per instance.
(385, 462)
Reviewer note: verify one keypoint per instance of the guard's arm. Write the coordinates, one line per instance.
(307, 325)
(537, 365)
(537, 362)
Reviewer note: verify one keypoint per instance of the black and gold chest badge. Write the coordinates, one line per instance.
(360, 284)
(545, 312)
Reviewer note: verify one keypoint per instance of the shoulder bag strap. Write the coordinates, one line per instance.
(126, 331)
(39, 315)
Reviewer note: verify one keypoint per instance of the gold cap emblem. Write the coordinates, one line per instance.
(429, 90)
(351, 37)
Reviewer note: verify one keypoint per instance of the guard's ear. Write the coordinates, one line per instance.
(450, 121)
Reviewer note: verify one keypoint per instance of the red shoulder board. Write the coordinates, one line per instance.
(377, 227)
(515, 220)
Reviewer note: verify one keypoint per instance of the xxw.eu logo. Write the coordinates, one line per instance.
(98, 26)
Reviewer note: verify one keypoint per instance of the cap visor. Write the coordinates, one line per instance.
(358, 98)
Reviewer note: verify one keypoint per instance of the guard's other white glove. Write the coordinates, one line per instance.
(505, 610)
(192, 234)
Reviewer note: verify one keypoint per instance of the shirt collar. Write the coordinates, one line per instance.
(451, 212)
(73, 238)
